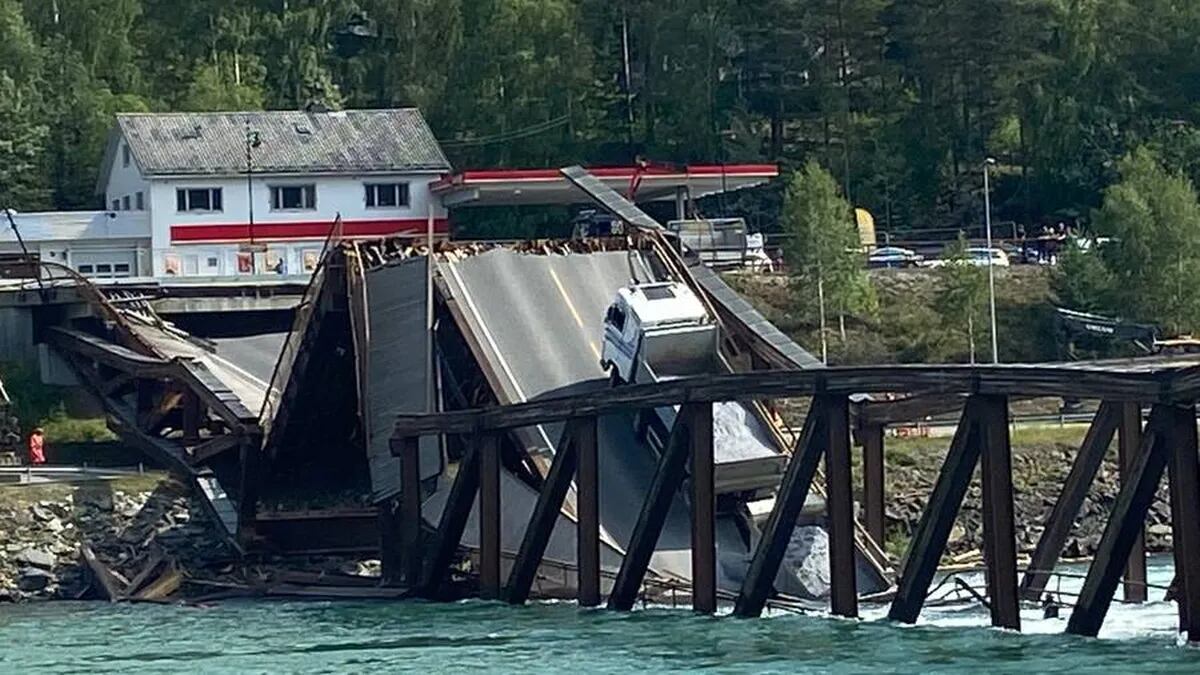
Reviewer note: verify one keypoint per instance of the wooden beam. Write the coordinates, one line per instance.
(1108, 382)
(657, 504)
(1059, 523)
(249, 481)
(587, 503)
(150, 419)
(839, 497)
(391, 557)
(118, 382)
(1129, 440)
(545, 515)
(1127, 518)
(699, 420)
(1184, 468)
(193, 416)
(200, 454)
(489, 516)
(453, 522)
(999, 533)
(409, 513)
(933, 530)
(873, 482)
(793, 491)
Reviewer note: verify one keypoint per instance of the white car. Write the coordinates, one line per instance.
(979, 257)
(894, 256)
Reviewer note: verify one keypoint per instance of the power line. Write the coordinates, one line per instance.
(532, 130)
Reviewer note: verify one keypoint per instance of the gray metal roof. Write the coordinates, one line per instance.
(292, 142)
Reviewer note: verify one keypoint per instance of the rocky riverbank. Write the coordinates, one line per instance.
(127, 523)
(1041, 460)
(150, 540)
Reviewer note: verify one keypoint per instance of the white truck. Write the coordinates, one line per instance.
(659, 331)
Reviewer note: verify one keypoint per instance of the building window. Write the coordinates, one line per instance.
(125, 155)
(386, 195)
(141, 201)
(211, 262)
(198, 199)
(116, 205)
(293, 197)
(125, 203)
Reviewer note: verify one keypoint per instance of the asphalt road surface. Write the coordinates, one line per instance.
(539, 321)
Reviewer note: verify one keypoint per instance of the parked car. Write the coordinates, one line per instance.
(979, 257)
(894, 256)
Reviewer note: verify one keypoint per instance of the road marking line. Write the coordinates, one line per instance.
(571, 306)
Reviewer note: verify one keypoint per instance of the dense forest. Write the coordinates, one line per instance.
(900, 100)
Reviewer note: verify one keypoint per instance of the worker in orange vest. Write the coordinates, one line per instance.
(37, 454)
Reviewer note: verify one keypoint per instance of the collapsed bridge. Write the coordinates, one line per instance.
(389, 327)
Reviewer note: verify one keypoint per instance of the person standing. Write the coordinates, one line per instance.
(37, 451)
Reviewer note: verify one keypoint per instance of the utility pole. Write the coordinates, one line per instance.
(35, 266)
(253, 140)
(987, 215)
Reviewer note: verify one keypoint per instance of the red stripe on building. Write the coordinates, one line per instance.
(276, 231)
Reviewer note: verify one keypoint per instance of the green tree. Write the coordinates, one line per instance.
(215, 89)
(962, 292)
(1154, 218)
(823, 249)
(22, 149)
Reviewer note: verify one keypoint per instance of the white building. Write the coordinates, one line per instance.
(181, 201)
(182, 204)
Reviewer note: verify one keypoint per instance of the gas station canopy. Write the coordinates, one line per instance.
(527, 187)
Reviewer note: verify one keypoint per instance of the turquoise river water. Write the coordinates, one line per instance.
(472, 636)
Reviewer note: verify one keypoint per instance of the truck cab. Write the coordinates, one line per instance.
(657, 330)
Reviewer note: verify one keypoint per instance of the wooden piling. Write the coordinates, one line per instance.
(1129, 440)
(489, 516)
(839, 496)
(410, 512)
(587, 502)
(873, 482)
(999, 533)
(1062, 517)
(699, 420)
(789, 502)
(933, 530)
(1184, 468)
(250, 451)
(1126, 520)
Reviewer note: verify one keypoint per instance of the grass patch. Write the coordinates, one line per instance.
(907, 329)
(40, 405)
(61, 428)
(21, 496)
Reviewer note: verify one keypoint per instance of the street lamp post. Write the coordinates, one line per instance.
(987, 215)
(253, 140)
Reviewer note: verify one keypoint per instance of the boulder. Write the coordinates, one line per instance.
(35, 558)
(41, 511)
(33, 579)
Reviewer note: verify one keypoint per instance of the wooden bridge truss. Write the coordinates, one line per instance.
(1168, 443)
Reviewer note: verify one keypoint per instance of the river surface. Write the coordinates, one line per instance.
(472, 636)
